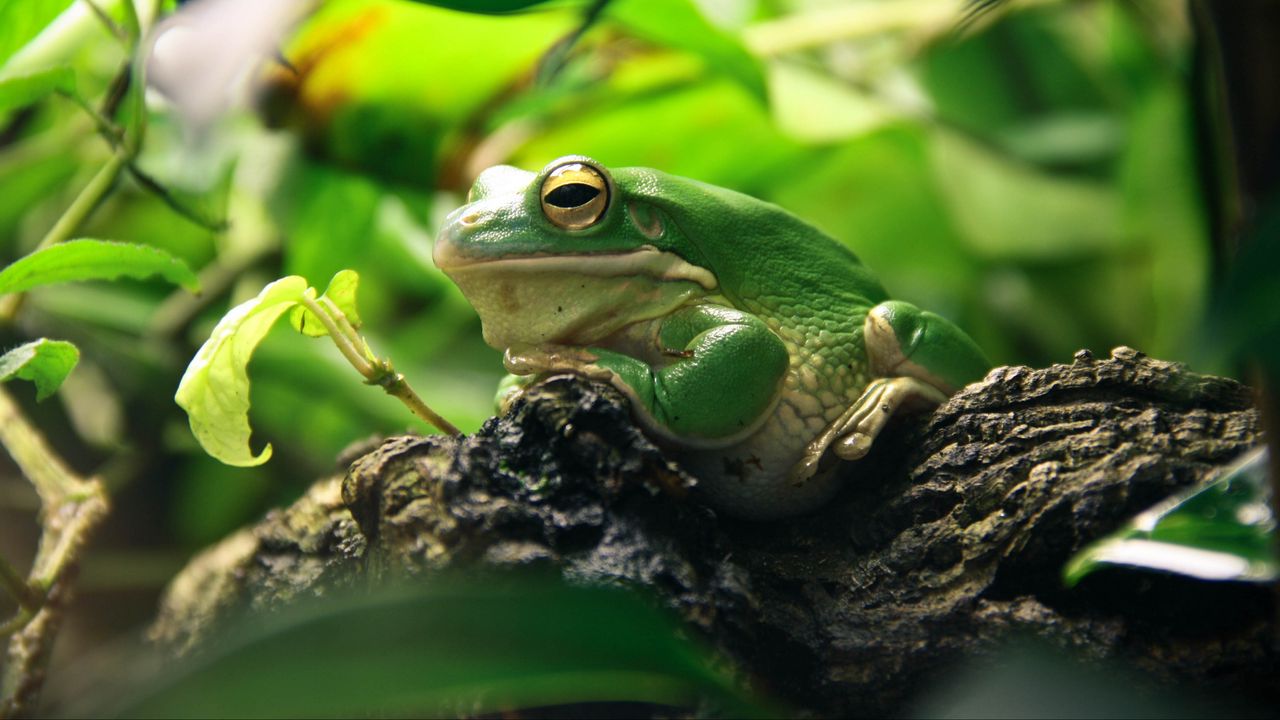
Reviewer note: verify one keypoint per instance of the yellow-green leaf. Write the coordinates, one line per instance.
(22, 90)
(85, 259)
(342, 291)
(215, 389)
(44, 362)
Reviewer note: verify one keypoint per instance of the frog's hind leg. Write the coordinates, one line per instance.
(918, 359)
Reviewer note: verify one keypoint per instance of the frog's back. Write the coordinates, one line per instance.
(767, 260)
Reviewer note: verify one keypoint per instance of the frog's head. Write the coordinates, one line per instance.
(567, 255)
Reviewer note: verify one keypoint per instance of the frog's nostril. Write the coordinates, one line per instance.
(470, 218)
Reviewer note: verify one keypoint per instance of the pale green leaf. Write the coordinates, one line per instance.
(76, 260)
(22, 90)
(215, 389)
(44, 362)
(1222, 531)
(342, 291)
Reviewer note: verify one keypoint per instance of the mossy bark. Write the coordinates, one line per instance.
(947, 539)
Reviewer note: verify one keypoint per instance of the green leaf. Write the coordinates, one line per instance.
(22, 90)
(485, 7)
(1008, 210)
(44, 362)
(679, 24)
(76, 260)
(443, 649)
(1223, 531)
(342, 291)
(215, 388)
(22, 20)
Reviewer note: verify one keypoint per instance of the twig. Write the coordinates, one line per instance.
(376, 371)
(71, 220)
(72, 508)
(111, 25)
(28, 599)
(168, 198)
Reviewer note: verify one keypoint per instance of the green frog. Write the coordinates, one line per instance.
(756, 349)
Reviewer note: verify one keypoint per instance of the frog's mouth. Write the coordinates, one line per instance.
(571, 299)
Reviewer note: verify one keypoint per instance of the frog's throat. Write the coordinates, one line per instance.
(646, 260)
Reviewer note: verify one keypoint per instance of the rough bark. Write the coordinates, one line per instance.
(948, 538)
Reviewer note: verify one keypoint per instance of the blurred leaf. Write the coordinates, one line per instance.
(327, 216)
(1223, 531)
(1009, 210)
(44, 362)
(215, 388)
(445, 649)
(84, 259)
(380, 85)
(342, 291)
(22, 20)
(846, 112)
(493, 7)
(695, 128)
(22, 90)
(679, 24)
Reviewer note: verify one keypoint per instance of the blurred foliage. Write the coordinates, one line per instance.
(1027, 172)
(453, 648)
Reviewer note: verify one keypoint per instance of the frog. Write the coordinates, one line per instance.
(755, 349)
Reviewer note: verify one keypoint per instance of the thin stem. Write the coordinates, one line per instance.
(375, 371)
(348, 350)
(72, 508)
(168, 198)
(71, 220)
(111, 25)
(18, 587)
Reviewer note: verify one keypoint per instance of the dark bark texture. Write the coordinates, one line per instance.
(948, 539)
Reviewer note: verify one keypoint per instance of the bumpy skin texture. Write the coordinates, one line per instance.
(751, 345)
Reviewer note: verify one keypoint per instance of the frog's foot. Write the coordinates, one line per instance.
(542, 359)
(851, 435)
(919, 358)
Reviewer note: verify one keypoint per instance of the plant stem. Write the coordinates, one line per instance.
(72, 508)
(341, 339)
(27, 598)
(375, 370)
(71, 220)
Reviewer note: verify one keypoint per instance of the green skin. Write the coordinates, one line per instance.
(758, 349)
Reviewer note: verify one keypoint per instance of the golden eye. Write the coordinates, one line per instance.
(575, 196)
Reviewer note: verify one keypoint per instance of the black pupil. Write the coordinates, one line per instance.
(572, 195)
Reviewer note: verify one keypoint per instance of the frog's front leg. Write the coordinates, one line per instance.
(918, 360)
(712, 377)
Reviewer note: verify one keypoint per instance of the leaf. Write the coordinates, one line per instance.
(678, 24)
(76, 260)
(485, 7)
(442, 649)
(22, 90)
(215, 388)
(342, 291)
(22, 20)
(44, 362)
(1009, 210)
(1223, 531)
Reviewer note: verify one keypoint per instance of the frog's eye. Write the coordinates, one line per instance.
(575, 196)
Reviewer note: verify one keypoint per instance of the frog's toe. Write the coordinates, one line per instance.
(854, 446)
(806, 467)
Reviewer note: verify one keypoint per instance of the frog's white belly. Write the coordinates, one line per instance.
(750, 478)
